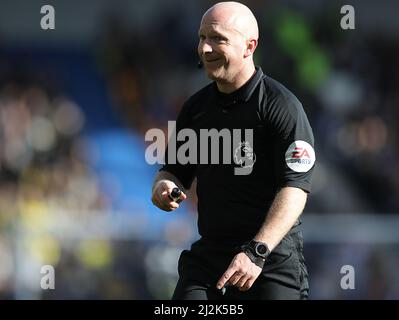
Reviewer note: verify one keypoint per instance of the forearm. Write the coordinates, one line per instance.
(165, 175)
(284, 212)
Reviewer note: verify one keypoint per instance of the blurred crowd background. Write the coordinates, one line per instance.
(76, 102)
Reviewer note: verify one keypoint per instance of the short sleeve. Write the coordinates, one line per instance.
(293, 142)
(184, 172)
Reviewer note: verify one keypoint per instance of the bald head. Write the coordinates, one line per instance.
(228, 37)
(235, 16)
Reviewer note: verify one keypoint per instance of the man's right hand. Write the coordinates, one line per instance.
(160, 195)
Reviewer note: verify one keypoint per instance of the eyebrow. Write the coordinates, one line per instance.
(214, 34)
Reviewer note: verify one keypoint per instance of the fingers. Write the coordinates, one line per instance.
(165, 199)
(241, 282)
(247, 285)
(158, 201)
(164, 203)
(160, 196)
(225, 277)
(183, 196)
(166, 195)
(241, 273)
(237, 279)
(232, 275)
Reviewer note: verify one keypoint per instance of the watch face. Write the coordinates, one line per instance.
(261, 249)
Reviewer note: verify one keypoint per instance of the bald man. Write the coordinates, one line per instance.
(250, 245)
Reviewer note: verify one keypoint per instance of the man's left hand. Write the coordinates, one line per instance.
(241, 273)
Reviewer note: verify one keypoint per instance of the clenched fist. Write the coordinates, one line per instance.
(160, 195)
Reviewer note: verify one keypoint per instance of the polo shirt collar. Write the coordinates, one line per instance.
(242, 94)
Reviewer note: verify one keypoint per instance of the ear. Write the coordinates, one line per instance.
(251, 46)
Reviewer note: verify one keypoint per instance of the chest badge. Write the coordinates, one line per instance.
(244, 155)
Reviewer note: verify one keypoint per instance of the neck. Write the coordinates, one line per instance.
(242, 78)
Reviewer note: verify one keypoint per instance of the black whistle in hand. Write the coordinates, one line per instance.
(175, 195)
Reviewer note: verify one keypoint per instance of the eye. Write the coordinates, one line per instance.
(201, 37)
(218, 38)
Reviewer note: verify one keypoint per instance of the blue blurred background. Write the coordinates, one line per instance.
(76, 102)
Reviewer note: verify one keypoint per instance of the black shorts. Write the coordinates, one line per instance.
(284, 275)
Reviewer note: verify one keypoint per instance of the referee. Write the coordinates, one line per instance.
(250, 246)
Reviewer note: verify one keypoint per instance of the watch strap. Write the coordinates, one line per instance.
(260, 262)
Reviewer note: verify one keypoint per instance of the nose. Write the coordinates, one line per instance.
(204, 47)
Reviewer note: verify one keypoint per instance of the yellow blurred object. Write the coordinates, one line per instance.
(46, 249)
(34, 214)
(95, 254)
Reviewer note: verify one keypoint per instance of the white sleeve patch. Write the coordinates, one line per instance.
(300, 156)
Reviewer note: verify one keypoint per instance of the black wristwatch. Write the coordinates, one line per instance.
(256, 251)
(260, 249)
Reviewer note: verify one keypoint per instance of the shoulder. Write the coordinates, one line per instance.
(279, 101)
(277, 93)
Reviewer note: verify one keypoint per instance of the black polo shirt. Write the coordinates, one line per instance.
(231, 206)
